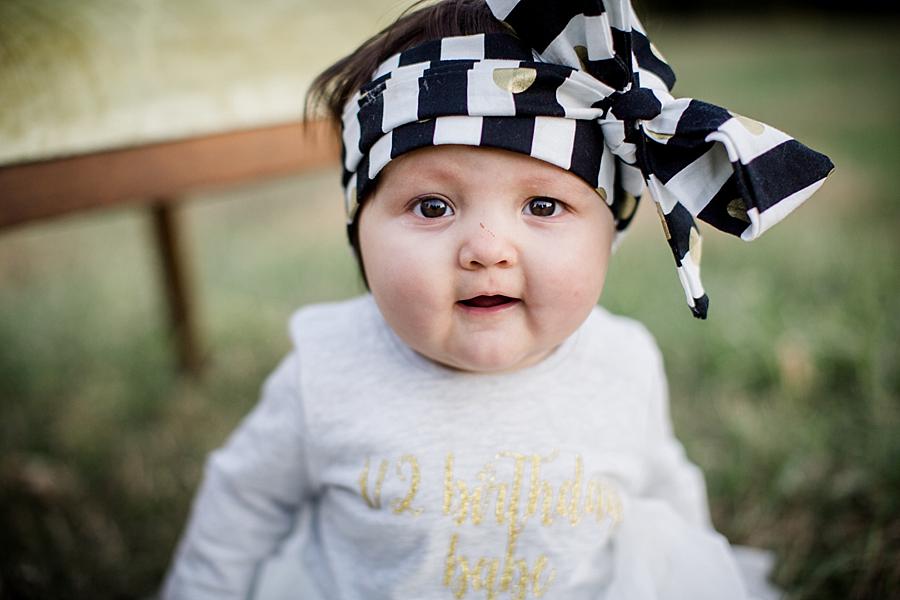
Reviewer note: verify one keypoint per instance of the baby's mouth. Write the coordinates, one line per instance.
(493, 301)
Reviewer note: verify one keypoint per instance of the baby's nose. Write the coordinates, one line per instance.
(485, 246)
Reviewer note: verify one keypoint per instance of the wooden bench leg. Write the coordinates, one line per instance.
(177, 285)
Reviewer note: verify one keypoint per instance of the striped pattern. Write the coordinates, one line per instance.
(481, 90)
(582, 87)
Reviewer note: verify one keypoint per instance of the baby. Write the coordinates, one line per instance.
(477, 427)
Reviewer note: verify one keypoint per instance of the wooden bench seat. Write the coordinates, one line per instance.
(145, 101)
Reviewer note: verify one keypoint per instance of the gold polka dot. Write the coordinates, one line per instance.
(602, 193)
(582, 53)
(514, 80)
(695, 245)
(662, 219)
(736, 209)
(754, 127)
(662, 137)
(352, 204)
(627, 206)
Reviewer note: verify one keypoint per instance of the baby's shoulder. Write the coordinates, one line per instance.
(619, 339)
(340, 323)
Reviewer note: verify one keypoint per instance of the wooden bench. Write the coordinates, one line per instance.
(105, 104)
(158, 175)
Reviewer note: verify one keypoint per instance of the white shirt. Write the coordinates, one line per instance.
(562, 480)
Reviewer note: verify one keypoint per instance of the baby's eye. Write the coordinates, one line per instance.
(432, 208)
(543, 207)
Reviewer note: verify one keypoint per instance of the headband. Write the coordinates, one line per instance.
(580, 86)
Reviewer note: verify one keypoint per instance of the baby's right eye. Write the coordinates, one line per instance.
(432, 208)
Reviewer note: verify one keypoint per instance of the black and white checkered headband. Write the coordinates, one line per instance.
(581, 87)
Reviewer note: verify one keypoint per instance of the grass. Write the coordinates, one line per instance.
(787, 397)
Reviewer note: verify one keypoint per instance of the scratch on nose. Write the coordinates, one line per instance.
(488, 230)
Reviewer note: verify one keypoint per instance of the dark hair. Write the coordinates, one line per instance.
(421, 22)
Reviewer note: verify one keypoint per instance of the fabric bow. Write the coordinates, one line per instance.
(696, 159)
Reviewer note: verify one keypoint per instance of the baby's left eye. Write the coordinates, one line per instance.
(543, 207)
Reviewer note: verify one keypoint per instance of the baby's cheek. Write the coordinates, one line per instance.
(568, 291)
(577, 273)
(561, 299)
(404, 287)
(393, 262)
(410, 292)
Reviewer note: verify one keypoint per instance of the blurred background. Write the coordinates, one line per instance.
(788, 396)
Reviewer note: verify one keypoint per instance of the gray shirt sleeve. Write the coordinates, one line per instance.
(252, 490)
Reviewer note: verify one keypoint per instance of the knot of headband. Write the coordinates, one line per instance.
(580, 86)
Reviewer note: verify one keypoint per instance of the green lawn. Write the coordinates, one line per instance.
(787, 396)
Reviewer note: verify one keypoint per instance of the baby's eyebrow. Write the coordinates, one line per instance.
(550, 186)
(532, 180)
(436, 171)
(542, 182)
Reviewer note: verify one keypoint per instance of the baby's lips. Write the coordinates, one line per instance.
(488, 301)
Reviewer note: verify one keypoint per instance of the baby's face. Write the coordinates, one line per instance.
(481, 259)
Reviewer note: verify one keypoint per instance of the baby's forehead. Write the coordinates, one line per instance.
(453, 162)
